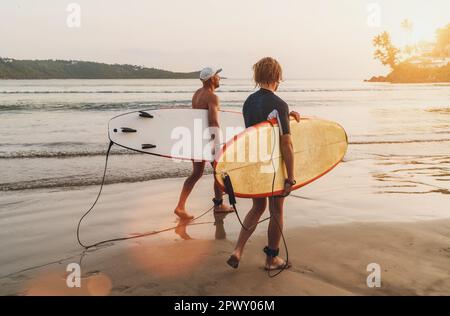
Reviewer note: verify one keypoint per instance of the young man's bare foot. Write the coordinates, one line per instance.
(182, 214)
(234, 259)
(276, 263)
(223, 208)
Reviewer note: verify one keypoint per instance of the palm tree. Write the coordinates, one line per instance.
(385, 51)
(407, 26)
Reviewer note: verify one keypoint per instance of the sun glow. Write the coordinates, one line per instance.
(424, 33)
(411, 32)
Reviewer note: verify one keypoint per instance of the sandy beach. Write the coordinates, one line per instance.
(335, 228)
(329, 260)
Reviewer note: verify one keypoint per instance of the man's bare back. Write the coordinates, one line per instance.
(202, 98)
(205, 98)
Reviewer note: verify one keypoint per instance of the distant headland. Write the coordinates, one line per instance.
(424, 62)
(74, 69)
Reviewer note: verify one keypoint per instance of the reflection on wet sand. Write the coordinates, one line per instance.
(440, 110)
(191, 254)
(219, 234)
(54, 284)
(415, 174)
(180, 230)
(220, 228)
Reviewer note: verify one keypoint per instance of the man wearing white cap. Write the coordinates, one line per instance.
(204, 98)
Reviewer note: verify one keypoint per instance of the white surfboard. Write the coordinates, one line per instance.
(173, 133)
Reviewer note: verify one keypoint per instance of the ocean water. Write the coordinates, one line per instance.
(53, 133)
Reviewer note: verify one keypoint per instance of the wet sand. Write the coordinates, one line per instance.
(327, 260)
(335, 227)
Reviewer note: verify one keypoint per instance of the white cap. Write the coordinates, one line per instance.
(208, 72)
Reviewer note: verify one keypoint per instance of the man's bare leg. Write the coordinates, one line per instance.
(274, 231)
(218, 196)
(189, 183)
(253, 216)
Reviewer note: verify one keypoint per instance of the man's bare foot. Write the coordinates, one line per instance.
(182, 214)
(234, 259)
(276, 263)
(223, 208)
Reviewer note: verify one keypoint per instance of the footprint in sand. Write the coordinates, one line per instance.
(120, 288)
(445, 250)
(302, 269)
(91, 273)
(149, 286)
(19, 277)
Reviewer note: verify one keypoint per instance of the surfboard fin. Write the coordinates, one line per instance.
(148, 146)
(229, 188)
(128, 130)
(145, 114)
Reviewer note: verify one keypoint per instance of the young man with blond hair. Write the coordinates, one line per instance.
(260, 106)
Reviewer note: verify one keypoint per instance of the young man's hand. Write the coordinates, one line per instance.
(287, 189)
(296, 115)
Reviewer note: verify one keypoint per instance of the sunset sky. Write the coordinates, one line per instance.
(312, 39)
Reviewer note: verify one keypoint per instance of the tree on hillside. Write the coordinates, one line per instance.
(385, 51)
(423, 62)
(72, 69)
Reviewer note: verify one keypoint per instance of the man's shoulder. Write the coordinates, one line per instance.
(251, 96)
(211, 99)
(206, 95)
(198, 91)
(278, 99)
(213, 96)
(279, 102)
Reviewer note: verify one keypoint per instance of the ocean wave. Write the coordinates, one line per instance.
(49, 144)
(62, 154)
(95, 92)
(93, 106)
(59, 150)
(90, 180)
(221, 90)
(87, 150)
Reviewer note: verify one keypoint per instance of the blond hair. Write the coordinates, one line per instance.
(266, 71)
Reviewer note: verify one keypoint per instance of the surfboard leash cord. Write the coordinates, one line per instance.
(230, 196)
(111, 143)
(96, 199)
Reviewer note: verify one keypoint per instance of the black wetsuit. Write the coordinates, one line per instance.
(260, 107)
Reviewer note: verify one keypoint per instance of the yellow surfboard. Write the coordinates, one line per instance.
(254, 164)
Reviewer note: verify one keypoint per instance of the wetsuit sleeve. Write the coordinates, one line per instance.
(283, 118)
